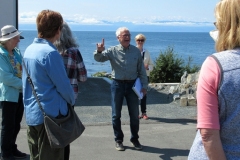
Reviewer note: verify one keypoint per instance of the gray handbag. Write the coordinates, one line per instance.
(61, 130)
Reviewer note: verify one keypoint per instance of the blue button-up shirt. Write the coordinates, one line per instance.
(46, 69)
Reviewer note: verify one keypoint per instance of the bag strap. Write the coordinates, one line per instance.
(143, 53)
(32, 86)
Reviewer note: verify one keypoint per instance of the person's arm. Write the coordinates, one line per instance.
(57, 73)
(142, 74)
(212, 144)
(8, 78)
(150, 63)
(82, 72)
(98, 55)
(207, 109)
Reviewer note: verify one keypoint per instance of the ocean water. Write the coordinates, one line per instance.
(198, 45)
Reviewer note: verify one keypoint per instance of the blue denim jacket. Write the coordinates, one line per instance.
(46, 69)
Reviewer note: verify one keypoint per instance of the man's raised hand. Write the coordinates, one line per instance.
(100, 46)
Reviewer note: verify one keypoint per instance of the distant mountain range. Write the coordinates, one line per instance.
(163, 27)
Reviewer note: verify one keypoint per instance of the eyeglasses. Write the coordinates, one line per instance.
(215, 24)
(140, 40)
(8, 33)
(126, 35)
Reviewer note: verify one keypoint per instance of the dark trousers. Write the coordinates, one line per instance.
(67, 150)
(12, 113)
(143, 102)
(119, 91)
(39, 145)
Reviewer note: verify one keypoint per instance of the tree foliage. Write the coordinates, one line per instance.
(169, 67)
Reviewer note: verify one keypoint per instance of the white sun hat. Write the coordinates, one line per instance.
(8, 32)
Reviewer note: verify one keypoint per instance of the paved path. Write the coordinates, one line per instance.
(167, 135)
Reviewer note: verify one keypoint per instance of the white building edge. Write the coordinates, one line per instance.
(8, 13)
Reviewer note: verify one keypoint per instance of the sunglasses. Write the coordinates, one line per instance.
(140, 40)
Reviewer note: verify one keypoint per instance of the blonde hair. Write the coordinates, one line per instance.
(140, 36)
(227, 13)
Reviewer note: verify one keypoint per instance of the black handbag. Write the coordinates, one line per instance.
(63, 130)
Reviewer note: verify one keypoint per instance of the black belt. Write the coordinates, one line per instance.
(124, 81)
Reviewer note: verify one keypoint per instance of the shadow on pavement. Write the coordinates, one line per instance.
(96, 92)
(26, 158)
(168, 120)
(165, 153)
(169, 153)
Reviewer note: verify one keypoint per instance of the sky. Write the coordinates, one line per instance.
(159, 15)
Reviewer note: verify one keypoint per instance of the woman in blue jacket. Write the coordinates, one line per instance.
(51, 83)
(11, 99)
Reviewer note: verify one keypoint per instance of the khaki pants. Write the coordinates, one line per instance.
(39, 146)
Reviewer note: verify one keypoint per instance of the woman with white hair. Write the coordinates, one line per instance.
(74, 65)
(11, 99)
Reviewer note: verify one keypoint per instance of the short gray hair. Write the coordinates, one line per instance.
(119, 30)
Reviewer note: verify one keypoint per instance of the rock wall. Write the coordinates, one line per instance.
(183, 92)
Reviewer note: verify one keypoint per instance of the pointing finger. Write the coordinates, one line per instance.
(103, 41)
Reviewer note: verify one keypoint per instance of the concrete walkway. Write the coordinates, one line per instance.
(167, 135)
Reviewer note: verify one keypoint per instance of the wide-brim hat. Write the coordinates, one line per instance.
(8, 32)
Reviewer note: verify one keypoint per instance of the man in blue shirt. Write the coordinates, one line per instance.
(127, 66)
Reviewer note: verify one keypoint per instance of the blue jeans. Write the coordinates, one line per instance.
(119, 90)
(12, 113)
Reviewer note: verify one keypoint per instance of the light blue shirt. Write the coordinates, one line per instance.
(127, 63)
(46, 69)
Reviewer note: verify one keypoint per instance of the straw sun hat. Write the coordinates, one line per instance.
(8, 32)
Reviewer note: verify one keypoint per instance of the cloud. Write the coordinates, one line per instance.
(30, 18)
(27, 17)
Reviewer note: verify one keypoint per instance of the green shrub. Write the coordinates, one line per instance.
(189, 68)
(102, 74)
(169, 67)
(99, 74)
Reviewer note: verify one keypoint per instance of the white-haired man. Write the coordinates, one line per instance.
(127, 66)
